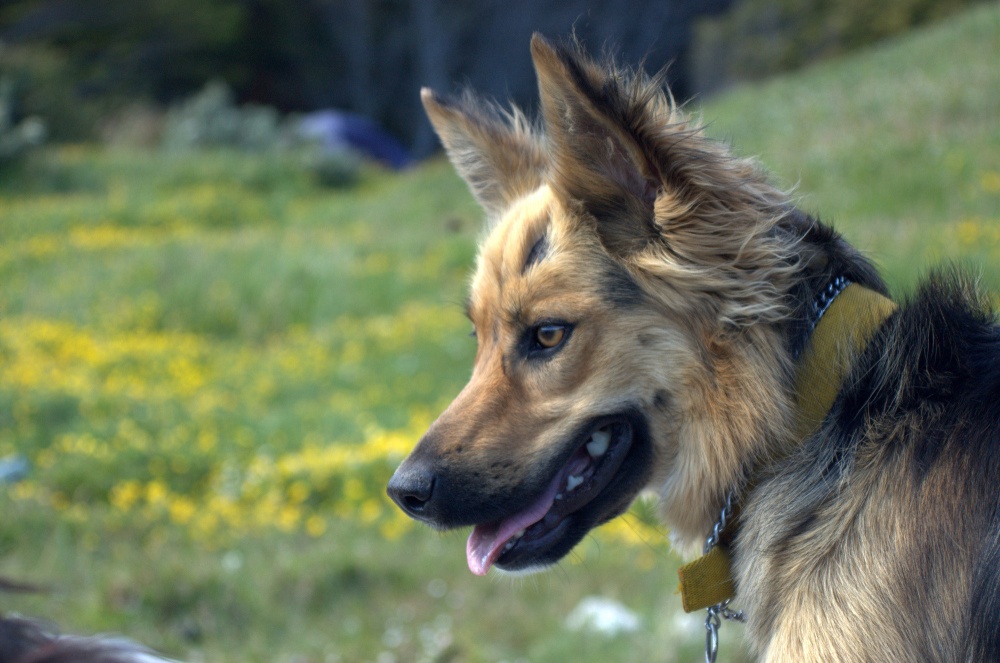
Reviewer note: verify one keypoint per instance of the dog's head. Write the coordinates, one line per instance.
(625, 258)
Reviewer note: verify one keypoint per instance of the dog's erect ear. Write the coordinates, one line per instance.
(493, 150)
(592, 119)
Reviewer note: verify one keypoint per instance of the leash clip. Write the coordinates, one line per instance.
(712, 624)
(713, 621)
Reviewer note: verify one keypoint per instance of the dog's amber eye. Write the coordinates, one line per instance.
(549, 336)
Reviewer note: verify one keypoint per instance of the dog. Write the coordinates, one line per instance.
(652, 314)
(31, 641)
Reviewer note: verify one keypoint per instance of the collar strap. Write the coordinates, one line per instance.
(846, 317)
(840, 336)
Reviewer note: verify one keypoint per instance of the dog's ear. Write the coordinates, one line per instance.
(591, 119)
(495, 151)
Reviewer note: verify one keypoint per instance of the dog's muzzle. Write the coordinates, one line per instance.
(534, 520)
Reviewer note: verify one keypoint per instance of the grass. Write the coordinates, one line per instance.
(898, 147)
(213, 364)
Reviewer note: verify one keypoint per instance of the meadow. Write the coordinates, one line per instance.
(213, 364)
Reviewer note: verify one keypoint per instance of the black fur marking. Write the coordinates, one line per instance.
(536, 254)
(937, 361)
(619, 288)
(624, 225)
(840, 259)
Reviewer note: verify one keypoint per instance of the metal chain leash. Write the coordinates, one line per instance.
(719, 611)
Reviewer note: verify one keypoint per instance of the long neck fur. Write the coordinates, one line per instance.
(739, 414)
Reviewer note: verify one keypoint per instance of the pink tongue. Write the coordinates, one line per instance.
(487, 540)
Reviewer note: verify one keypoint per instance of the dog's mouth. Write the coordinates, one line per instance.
(584, 492)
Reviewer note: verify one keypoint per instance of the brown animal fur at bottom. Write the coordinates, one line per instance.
(639, 303)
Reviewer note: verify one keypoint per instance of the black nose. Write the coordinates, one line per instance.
(412, 488)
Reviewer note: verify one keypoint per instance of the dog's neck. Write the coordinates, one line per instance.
(842, 319)
(739, 415)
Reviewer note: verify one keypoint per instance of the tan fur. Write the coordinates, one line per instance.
(681, 271)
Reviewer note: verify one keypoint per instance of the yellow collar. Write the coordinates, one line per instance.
(840, 335)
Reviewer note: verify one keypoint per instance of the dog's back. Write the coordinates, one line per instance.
(880, 538)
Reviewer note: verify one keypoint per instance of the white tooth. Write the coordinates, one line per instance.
(572, 481)
(518, 534)
(599, 442)
(558, 496)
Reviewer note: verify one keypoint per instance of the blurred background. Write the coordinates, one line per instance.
(231, 268)
(89, 66)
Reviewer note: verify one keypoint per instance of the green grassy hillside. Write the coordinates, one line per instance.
(898, 147)
(213, 364)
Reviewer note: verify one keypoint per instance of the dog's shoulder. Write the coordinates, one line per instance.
(938, 355)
